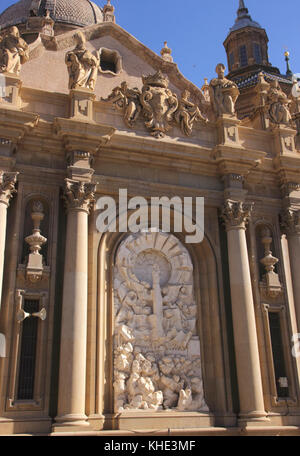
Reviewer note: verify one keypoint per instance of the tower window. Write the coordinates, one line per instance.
(28, 352)
(243, 56)
(278, 355)
(231, 60)
(257, 53)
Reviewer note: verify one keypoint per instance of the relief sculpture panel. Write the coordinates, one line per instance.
(157, 364)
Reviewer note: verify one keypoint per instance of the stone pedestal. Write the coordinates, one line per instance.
(10, 86)
(235, 215)
(72, 373)
(82, 104)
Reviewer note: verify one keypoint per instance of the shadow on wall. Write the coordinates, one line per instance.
(2, 346)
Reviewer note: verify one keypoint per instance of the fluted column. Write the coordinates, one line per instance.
(291, 226)
(236, 215)
(72, 373)
(7, 189)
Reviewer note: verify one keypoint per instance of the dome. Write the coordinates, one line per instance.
(79, 13)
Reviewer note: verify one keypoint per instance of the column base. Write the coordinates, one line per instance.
(255, 418)
(71, 423)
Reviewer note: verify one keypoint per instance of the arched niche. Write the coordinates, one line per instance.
(209, 329)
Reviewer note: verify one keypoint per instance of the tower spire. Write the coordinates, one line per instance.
(243, 12)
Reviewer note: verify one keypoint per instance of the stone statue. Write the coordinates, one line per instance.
(157, 361)
(14, 52)
(278, 104)
(82, 65)
(127, 100)
(187, 114)
(223, 93)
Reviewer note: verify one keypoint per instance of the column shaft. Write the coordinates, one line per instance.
(294, 252)
(3, 221)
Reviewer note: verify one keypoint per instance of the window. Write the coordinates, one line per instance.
(243, 56)
(110, 61)
(257, 53)
(231, 60)
(278, 355)
(28, 352)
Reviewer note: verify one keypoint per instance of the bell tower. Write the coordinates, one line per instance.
(247, 45)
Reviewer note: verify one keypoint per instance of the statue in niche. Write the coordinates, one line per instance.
(157, 363)
(127, 100)
(82, 65)
(187, 114)
(278, 104)
(14, 52)
(223, 93)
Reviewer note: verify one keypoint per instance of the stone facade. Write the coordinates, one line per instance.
(144, 331)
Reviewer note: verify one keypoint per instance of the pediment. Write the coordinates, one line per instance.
(46, 69)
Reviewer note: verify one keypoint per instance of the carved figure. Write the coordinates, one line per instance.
(14, 52)
(82, 65)
(187, 114)
(278, 104)
(223, 93)
(128, 100)
(156, 344)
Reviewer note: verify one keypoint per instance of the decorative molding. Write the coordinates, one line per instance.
(79, 196)
(236, 214)
(290, 221)
(8, 181)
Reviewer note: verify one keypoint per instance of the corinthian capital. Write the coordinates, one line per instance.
(7, 186)
(290, 221)
(236, 214)
(79, 195)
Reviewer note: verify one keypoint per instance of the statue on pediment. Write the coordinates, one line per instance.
(127, 100)
(223, 93)
(82, 65)
(14, 52)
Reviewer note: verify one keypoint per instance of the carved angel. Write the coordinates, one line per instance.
(82, 65)
(187, 114)
(14, 52)
(127, 100)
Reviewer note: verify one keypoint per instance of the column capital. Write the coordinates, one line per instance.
(79, 196)
(290, 221)
(236, 214)
(7, 186)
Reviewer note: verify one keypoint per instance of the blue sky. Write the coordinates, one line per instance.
(195, 29)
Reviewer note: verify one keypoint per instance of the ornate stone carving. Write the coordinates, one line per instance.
(278, 104)
(166, 53)
(14, 52)
(128, 101)
(157, 361)
(7, 186)
(108, 12)
(187, 114)
(79, 195)
(34, 268)
(223, 93)
(82, 65)
(290, 221)
(236, 214)
(158, 104)
(270, 285)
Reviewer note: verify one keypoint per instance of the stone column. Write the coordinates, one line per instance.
(7, 189)
(235, 215)
(72, 374)
(290, 221)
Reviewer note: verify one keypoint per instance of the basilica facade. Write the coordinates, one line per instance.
(120, 331)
